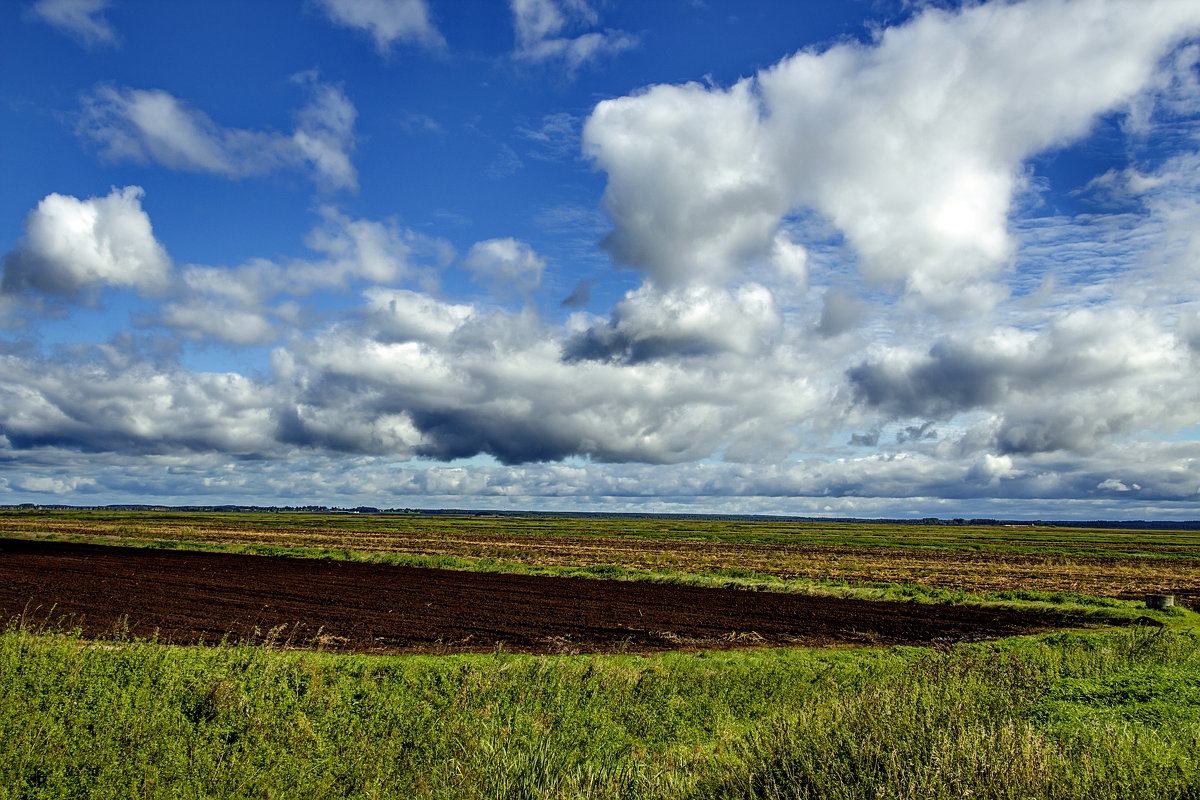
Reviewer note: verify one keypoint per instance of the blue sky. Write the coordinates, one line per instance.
(859, 258)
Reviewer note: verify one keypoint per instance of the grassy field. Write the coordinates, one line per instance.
(979, 560)
(1096, 716)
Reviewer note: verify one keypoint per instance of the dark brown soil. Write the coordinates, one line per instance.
(186, 597)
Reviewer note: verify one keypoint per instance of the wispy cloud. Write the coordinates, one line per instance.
(540, 26)
(82, 19)
(387, 21)
(153, 125)
(555, 137)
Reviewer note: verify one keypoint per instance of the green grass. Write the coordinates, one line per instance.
(995, 723)
(1098, 716)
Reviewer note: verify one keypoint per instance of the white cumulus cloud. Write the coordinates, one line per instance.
(403, 315)
(49, 485)
(506, 264)
(71, 245)
(248, 304)
(649, 324)
(200, 317)
(380, 252)
(912, 145)
(692, 188)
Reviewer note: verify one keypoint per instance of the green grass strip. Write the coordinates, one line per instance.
(1099, 716)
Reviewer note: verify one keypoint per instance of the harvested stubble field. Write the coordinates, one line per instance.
(975, 559)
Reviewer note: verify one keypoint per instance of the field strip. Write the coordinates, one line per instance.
(768, 555)
(185, 596)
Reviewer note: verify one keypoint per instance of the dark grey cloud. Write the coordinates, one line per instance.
(610, 343)
(452, 434)
(952, 378)
(917, 433)
(579, 296)
(1189, 331)
(840, 313)
(864, 439)
(1086, 378)
(1060, 429)
(308, 428)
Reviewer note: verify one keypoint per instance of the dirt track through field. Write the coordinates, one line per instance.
(185, 597)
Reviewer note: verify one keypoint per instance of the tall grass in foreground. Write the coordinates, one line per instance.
(1096, 716)
(1023, 722)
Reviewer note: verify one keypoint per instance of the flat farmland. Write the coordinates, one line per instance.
(546, 685)
(187, 597)
(974, 559)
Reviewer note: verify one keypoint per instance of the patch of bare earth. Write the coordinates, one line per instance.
(187, 597)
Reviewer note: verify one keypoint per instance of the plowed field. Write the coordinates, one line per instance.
(970, 558)
(186, 597)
